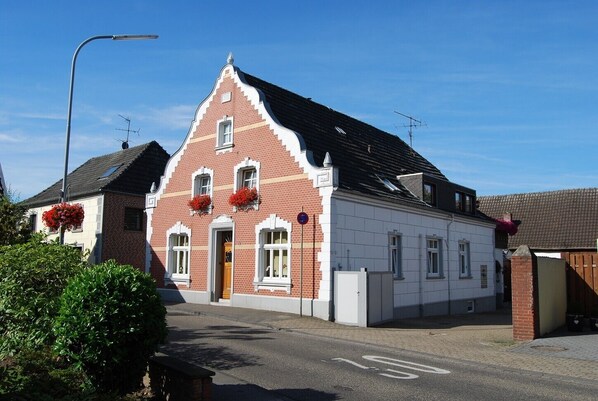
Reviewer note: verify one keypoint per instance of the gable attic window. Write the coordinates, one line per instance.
(224, 137)
(111, 170)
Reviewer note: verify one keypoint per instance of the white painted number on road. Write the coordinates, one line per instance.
(350, 362)
(406, 364)
(395, 374)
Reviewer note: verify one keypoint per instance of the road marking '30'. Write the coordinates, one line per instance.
(395, 374)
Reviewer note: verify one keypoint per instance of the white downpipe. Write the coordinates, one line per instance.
(448, 260)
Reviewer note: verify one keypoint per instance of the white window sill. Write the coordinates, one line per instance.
(172, 279)
(228, 147)
(272, 286)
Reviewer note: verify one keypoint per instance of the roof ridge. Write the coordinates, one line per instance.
(540, 192)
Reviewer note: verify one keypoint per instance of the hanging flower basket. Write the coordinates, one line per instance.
(507, 226)
(64, 216)
(200, 204)
(244, 198)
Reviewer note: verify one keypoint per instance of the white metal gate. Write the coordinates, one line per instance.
(350, 306)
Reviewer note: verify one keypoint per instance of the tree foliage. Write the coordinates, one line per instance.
(32, 278)
(111, 321)
(14, 228)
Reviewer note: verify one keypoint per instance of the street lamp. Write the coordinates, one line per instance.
(70, 106)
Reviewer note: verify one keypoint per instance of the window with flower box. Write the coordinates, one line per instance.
(202, 191)
(246, 185)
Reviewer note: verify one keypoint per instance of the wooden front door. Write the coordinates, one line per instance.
(227, 259)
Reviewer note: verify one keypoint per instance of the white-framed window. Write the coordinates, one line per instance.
(247, 174)
(203, 185)
(276, 254)
(395, 253)
(202, 181)
(224, 133)
(273, 254)
(178, 239)
(249, 177)
(434, 257)
(464, 259)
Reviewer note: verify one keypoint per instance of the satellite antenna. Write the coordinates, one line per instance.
(413, 123)
(125, 144)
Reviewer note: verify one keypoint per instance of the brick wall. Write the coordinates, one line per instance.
(124, 246)
(524, 283)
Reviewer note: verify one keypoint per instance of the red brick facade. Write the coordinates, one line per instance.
(524, 279)
(284, 190)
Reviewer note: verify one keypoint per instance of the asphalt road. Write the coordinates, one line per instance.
(296, 366)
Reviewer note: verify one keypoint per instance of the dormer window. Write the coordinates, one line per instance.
(463, 202)
(429, 194)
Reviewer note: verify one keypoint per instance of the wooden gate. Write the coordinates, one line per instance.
(582, 281)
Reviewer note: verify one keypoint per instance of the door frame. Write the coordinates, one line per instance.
(218, 228)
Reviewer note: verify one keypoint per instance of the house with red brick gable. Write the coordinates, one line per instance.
(370, 200)
(111, 188)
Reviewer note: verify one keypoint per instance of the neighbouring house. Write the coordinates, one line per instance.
(225, 223)
(112, 190)
(3, 189)
(557, 224)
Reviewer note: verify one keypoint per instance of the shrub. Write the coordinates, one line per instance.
(38, 375)
(32, 278)
(111, 321)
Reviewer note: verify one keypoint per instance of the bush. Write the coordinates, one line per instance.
(32, 278)
(38, 375)
(111, 321)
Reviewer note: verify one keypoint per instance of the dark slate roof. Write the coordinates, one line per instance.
(363, 154)
(139, 167)
(557, 220)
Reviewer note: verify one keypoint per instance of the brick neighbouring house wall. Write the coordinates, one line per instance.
(124, 246)
(524, 279)
(284, 190)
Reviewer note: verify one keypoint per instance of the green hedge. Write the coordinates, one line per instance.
(32, 278)
(111, 321)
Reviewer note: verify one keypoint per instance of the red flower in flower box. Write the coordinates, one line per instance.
(200, 203)
(244, 197)
(64, 215)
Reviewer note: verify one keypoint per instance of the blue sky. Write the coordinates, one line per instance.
(507, 90)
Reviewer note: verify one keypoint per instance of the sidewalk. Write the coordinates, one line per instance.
(479, 338)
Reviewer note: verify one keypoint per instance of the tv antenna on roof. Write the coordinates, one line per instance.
(413, 123)
(125, 144)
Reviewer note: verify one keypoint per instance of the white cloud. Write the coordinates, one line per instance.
(172, 117)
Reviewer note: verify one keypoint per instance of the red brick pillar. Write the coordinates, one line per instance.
(524, 284)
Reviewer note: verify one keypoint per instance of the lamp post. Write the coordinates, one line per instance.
(70, 105)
